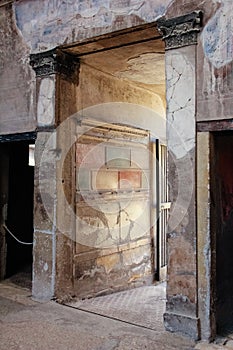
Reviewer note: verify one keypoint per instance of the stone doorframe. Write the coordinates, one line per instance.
(206, 265)
(188, 299)
(57, 75)
(206, 225)
(4, 205)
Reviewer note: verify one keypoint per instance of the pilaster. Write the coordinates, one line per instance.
(56, 80)
(180, 35)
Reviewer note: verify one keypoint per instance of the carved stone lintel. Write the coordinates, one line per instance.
(26, 136)
(180, 31)
(55, 62)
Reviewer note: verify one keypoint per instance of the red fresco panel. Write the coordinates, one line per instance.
(130, 179)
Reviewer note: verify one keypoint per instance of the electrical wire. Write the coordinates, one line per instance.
(21, 242)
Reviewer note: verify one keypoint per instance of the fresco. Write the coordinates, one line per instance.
(46, 24)
(217, 36)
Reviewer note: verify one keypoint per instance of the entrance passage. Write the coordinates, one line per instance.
(16, 193)
(121, 189)
(223, 217)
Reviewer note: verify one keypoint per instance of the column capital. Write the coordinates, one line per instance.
(54, 62)
(180, 31)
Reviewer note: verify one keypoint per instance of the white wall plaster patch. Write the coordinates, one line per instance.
(45, 106)
(46, 267)
(180, 103)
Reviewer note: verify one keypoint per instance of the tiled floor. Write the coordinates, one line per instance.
(142, 306)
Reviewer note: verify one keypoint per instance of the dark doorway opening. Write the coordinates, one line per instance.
(18, 213)
(222, 190)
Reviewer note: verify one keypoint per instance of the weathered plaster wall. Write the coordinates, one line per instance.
(215, 62)
(212, 99)
(66, 105)
(215, 56)
(110, 99)
(44, 218)
(34, 26)
(206, 240)
(97, 87)
(47, 24)
(182, 284)
(17, 79)
(40, 25)
(181, 7)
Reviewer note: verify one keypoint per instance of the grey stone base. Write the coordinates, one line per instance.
(181, 323)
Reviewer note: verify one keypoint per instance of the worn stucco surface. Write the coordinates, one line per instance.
(17, 83)
(32, 26)
(182, 284)
(44, 227)
(215, 57)
(45, 24)
(205, 286)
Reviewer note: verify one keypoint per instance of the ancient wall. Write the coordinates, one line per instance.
(199, 88)
(207, 71)
(215, 56)
(17, 86)
(33, 26)
(45, 25)
(96, 87)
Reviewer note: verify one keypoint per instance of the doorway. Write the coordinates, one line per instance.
(122, 91)
(222, 221)
(16, 192)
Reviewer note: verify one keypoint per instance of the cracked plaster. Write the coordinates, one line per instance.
(45, 106)
(180, 101)
(46, 24)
